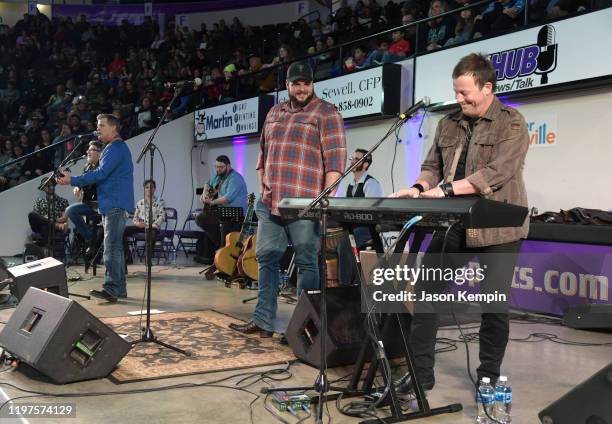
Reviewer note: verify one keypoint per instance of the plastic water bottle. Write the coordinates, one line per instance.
(503, 400)
(485, 399)
(284, 280)
(173, 256)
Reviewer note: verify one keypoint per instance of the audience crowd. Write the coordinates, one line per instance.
(56, 76)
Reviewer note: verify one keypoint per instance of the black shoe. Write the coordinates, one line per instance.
(103, 294)
(251, 328)
(122, 296)
(405, 387)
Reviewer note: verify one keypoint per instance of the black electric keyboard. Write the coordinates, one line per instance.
(472, 212)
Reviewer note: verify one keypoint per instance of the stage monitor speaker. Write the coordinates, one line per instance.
(590, 316)
(59, 338)
(587, 403)
(47, 274)
(345, 333)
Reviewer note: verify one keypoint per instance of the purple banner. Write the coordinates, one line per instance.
(134, 13)
(550, 277)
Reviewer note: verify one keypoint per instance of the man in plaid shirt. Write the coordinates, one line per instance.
(302, 151)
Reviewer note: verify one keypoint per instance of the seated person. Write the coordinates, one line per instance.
(49, 206)
(231, 190)
(87, 197)
(500, 15)
(362, 185)
(141, 215)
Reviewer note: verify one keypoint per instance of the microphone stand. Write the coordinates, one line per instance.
(321, 384)
(147, 333)
(49, 184)
(321, 202)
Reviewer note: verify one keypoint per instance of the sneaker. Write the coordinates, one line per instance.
(103, 294)
(405, 387)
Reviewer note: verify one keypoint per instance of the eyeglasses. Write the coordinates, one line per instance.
(352, 158)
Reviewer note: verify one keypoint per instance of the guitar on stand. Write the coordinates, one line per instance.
(247, 262)
(226, 258)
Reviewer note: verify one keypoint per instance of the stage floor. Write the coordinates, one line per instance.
(539, 373)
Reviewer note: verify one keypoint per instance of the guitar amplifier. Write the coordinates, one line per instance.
(47, 274)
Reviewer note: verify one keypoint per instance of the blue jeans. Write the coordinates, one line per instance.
(75, 213)
(114, 277)
(273, 235)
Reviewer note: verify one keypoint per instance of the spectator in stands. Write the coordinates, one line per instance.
(463, 29)
(437, 31)
(147, 117)
(500, 15)
(328, 28)
(356, 61)
(375, 56)
(343, 15)
(260, 81)
(410, 32)
(399, 49)
(14, 172)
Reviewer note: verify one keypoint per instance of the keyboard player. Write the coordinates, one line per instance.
(479, 150)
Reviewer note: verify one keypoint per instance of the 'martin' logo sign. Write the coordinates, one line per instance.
(516, 68)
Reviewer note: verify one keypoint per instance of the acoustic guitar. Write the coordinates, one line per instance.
(247, 263)
(226, 258)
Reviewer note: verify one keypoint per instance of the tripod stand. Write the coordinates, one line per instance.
(147, 333)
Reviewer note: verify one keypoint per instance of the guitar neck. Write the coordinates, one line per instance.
(246, 224)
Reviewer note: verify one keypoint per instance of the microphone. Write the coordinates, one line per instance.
(75, 160)
(424, 102)
(89, 134)
(547, 59)
(196, 82)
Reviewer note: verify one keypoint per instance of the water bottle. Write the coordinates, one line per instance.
(173, 256)
(485, 399)
(503, 400)
(284, 280)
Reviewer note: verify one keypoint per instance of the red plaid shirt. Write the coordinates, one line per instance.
(298, 147)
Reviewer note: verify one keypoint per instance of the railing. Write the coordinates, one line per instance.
(280, 71)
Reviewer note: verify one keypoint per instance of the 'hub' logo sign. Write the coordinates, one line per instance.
(518, 67)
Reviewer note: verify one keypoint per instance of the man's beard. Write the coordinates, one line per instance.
(359, 168)
(296, 102)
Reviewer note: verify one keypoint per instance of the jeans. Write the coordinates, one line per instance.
(273, 234)
(75, 213)
(499, 262)
(114, 277)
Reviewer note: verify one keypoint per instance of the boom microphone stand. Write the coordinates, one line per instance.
(147, 333)
(321, 203)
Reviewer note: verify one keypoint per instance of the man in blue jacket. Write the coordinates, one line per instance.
(114, 181)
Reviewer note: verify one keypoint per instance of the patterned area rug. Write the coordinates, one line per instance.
(205, 334)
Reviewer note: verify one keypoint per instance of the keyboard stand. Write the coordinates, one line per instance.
(383, 332)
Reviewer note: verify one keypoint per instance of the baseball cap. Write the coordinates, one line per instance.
(299, 71)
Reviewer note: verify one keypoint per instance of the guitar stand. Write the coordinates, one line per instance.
(225, 215)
